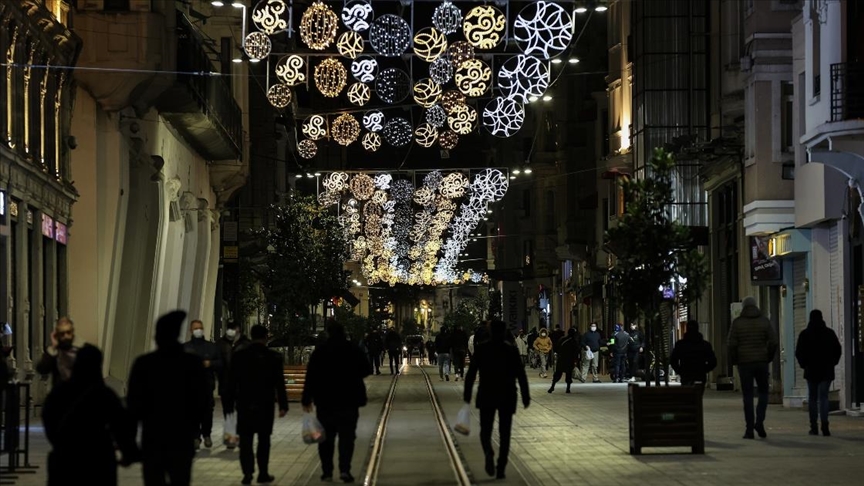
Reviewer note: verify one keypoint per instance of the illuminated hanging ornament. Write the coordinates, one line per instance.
(393, 85)
(463, 119)
(307, 149)
(327, 198)
(364, 69)
(345, 129)
(448, 140)
(427, 92)
(373, 121)
(257, 45)
(402, 191)
(441, 70)
(335, 182)
(372, 141)
(350, 44)
(430, 44)
(279, 95)
(426, 135)
(362, 187)
(451, 99)
(459, 52)
(271, 16)
(315, 127)
(544, 29)
(484, 27)
(473, 78)
(290, 70)
(522, 77)
(330, 77)
(453, 185)
(382, 181)
(318, 26)
(397, 132)
(359, 94)
(357, 15)
(503, 117)
(390, 35)
(447, 18)
(436, 116)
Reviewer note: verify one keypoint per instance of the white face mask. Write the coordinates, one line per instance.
(198, 333)
(231, 333)
(593, 328)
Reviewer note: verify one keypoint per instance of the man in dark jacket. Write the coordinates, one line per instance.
(591, 342)
(338, 407)
(752, 346)
(442, 349)
(393, 341)
(375, 345)
(458, 351)
(635, 349)
(167, 395)
(556, 336)
(693, 357)
(210, 356)
(229, 344)
(619, 352)
(500, 367)
(58, 359)
(818, 352)
(258, 375)
(568, 349)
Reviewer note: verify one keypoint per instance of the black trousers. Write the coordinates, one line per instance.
(395, 356)
(161, 467)
(341, 423)
(228, 401)
(376, 361)
(633, 361)
(205, 427)
(505, 424)
(249, 424)
(568, 377)
(458, 358)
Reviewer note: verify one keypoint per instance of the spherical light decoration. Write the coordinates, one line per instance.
(453, 185)
(318, 26)
(441, 70)
(382, 181)
(390, 35)
(448, 140)
(357, 15)
(402, 191)
(364, 69)
(345, 129)
(330, 77)
(362, 187)
(271, 16)
(473, 78)
(544, 29)
(503, 117)
(426, 135)
(447, 18)
(436, 116)
(307, 149)
(327, 198)
(279, 95)
(522, 77)
(451, 99)
(462, 119)
(397, 132)
(350, 44)
(359, 94)
(393, 85)
(484, 27)
(291, 70)
(372, 141)
(336, 181)
(459, 52)
(257, 45)
(315, 127)
(373, 121)
(430, 44)
(427, 92)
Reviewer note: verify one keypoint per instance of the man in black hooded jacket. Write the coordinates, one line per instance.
(693, 357)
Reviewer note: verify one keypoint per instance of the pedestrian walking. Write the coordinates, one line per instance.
(522, 346)
(591, 341)
(375, 344)
(430, 351)
(635, 349)
(693, 357)
(568, 349)
(393, 341)
(210, 355)
(260, 383)
(818, 351)
(752, 346)
(500, 367)
(232, 342)
(458, 351)
(58, 359)
(543, 346)
(442, 348)
(620, 344)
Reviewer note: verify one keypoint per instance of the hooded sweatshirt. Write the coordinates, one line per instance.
(751, 338)
(818, 351)
(543, 344)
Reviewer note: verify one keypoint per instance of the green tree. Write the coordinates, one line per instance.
(652, 250)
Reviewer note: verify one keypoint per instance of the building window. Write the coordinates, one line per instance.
(787, 99)
(817, 47)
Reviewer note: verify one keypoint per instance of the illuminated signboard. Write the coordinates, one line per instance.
(2, 203)
(47, 226)
(60, 233)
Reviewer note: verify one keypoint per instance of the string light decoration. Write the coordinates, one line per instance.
(484, 27)
(473, 78)
(364, 69)
(441, 70)
(328, 198)
(330, 77)
(543, 28)
(390, 35)
(448, 140)
(362, 187)
(257, 45)
(426, 135)
(397, 132)
(427, 92)
(522, 77)
(402, 190)
(271, 16)
(290, 70)
(436, 116)
(373, 121)
(430, 44)
(459, 52)
(357, 15)
(462, 119)
(453, 185)
(359, 94)
(447, 18)
(315, 127)
(503, 117)
(371, 141)
(336, 181)
(382, 181)
(350, 44)
(318, 26)
(393, 85)
(307, 149)
(451, 99)
(345, 129)
(279, 95)
(433, 180)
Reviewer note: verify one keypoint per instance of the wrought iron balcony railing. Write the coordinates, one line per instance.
(847, 91)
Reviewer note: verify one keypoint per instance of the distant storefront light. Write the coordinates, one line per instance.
(2, 203)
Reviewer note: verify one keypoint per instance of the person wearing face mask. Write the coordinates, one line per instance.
(209, 353)
(58, 359)
(591, 362)
(229, 344)
(543, 346)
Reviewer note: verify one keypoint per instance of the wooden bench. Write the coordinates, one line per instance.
(295, 379)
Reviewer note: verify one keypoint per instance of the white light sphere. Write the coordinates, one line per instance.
(397, 132)
(364, 69)
(436, 116)
(390, 35)
(447, 18)
(543, 29)
(503, 117)
(393, 85)
(521, 77)
(441, 70)
(374, 120)
(357, 15)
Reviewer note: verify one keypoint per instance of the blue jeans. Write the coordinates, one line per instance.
(443, 364)
(748, 372)
(817, 393)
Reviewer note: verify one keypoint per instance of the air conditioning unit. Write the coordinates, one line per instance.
(91, 5)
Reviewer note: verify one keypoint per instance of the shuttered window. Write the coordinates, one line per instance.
(799, 317)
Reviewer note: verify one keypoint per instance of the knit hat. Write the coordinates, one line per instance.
(617, 327)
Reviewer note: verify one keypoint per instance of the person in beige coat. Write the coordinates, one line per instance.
(543, 346)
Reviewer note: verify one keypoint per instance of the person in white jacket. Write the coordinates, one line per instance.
(522, 346)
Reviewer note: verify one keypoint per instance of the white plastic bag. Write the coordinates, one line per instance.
(312, 431)
(463, 420)
(589, 354)
(231, 424)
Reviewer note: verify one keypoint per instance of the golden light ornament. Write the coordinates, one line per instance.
(345, 129)
(427, 92)
(430, 44)
(426, 135)
(452, 99)
(318, 26)
(463, 119)
(359, 94)
(372, 142)
(279, 95)
(362, 187)
(307, 149)
(484, 26)
(315, 127)
(350, 44)
(330, 77)
(257, 45)
(291, 70)
(459, 52)
(271, 16)
(448, 140)
(473, 78)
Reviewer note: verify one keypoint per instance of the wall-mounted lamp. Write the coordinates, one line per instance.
(782, 291)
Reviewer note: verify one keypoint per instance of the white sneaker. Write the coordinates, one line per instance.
(457, 378)
(632, 380)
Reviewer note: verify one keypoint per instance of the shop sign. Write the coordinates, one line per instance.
(763, 267)
(47, 226)
(2, 203)
(230, 252)
(60, 233)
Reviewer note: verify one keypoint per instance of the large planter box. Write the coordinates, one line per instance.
(666, 416)
(295, 379)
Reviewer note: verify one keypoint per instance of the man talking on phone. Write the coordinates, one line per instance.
(57, 360)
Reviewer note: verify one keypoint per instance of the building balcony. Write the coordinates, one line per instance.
(847, 91)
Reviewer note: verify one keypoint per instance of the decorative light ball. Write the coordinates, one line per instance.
(390, 35)
(462, 119)
(448, 140)
(279, 95)
(328, 198)
(307, 149)
(426, 135)
(364, 69)
(372, 141)
(315, 127)
(503, 117)
(359, 94)
(473, 78)
(447, 18)
(336, 182)
(427, 92)
(330, 77)
(543, 29)
(522, 77)
(393, 85)
(436, 116)
(345, 129)
(430, 44)
(350, 44)
(484, 27)
(441, 70)
(362, 187)
(451, 99)
(271, 16)
(357, 15)
(397, 132)
(402, 191)
(459, 52)
(318, 26)
(290, 70)
(373, 121)
(257, 45)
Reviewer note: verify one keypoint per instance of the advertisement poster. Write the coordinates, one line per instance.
(763, 268)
